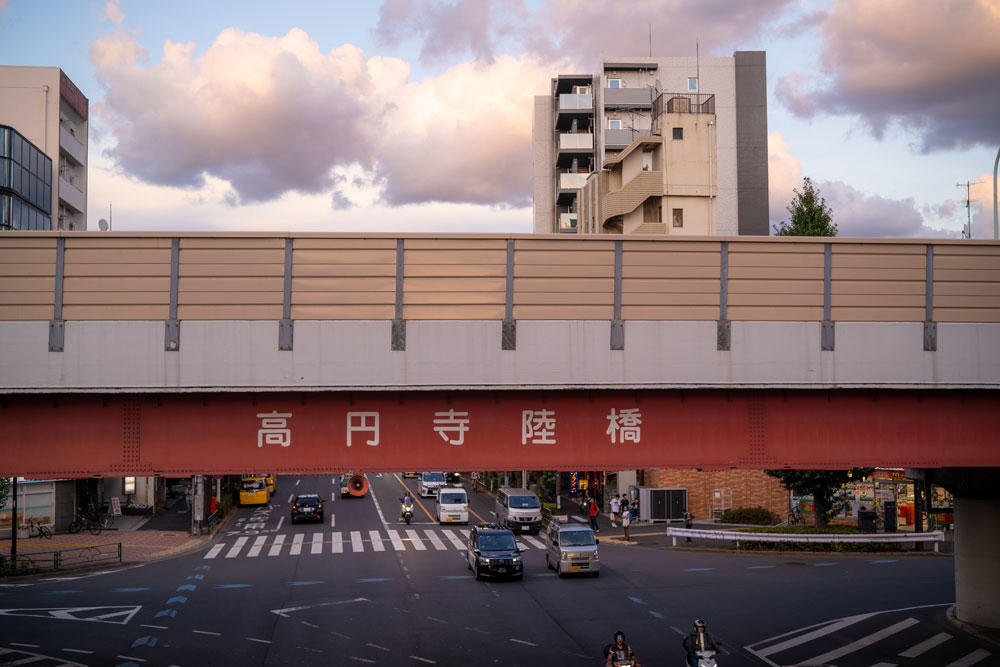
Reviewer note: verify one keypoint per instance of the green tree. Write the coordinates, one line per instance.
(822, 484)
(4, 490)
(810, 214)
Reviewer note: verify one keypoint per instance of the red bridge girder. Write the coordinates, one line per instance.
(60, 435)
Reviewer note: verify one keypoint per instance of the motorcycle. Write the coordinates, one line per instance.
(408, 513)
(705, 659)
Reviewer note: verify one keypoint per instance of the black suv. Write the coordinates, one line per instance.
(307, 506)
(494, 553)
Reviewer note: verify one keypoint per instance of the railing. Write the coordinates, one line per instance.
(738, 536)
(576, 140)
(683, 103)
(576, 102)
(572, 181)
(39, 561)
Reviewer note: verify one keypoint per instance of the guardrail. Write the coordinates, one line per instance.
(737, 536)
(37, 561)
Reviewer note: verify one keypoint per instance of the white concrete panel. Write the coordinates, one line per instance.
(672, 352)
(880, 352)
(24, 356)
(773, 353)
(456, 352)
(342, 353)
(230, 354)
(564, 353)
(967, 353)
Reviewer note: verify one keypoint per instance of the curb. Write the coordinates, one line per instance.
(976, 631)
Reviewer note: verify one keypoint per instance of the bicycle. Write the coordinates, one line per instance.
(38, 530)
(89, 520)
(795, 517)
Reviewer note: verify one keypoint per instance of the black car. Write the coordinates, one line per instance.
(493, 552)
(307, 506)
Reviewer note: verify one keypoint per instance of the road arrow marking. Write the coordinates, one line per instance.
(636, 600)
(186, 587)
(166, 612)
(203, 567)
(148, 640)
(285, 612)
(199, 577)
(177, 598)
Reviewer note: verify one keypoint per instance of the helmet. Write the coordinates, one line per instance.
(619, 634)
(699, 625)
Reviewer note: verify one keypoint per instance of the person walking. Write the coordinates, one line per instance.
(187, 498)
(688, 520)
(593, 516)
(626, 520)
(615, 508)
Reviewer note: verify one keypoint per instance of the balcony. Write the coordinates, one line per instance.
(619, 139)
(572, 181)
(579, 102)
(72, 146)
(71, 195)
(576, 142)
(629, 98)
(567, 223)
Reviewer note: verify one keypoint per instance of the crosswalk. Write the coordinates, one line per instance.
(353, 541)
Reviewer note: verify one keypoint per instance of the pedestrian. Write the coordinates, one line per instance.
(593, 516)
(475, 480)
(187, 497)
(626, 520)
(615, 508)
(688, 519)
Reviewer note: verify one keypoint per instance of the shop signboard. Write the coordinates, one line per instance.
(574, 483)
(116, 506)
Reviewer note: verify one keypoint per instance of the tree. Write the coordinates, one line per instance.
(810, 214)
(4, 490)
(822, 484)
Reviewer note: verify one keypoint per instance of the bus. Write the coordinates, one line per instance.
(253, 491)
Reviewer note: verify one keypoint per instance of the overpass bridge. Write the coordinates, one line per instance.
(158, 353)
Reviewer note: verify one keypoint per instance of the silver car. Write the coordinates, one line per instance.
(571, 548)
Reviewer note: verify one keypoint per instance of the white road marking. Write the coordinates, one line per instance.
(333, 520)
(378, 508)
(214, 551)
(297, 482)
(333, 495)
(971, 659)
(262, 641)
(533, 541)
(280, 521)
(427, 660)
(397, 543)
(237, 548)
(371, 662)
(435, 540)
(925, 645)
(296, 544)
(206, 632)
(76, 650)
(317, 544)
(376, 540)
(415, 540)
(337, 540)
(809, 636)
(874, 637)
(291, 497)
(258, 544)
(311, 625)
(126, 657)
(435, 619)
(279, 541)
(357, 544)
(381, 648)
(26, 645)
(155, 627)
(454, 539)
(521, 641)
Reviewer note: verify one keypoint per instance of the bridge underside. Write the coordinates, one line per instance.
(75, 435)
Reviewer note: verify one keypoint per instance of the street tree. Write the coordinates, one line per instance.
(810, 216)
(4, 490)
(823, 485)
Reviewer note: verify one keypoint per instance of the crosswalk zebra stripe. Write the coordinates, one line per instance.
(279, 541)
(235, 551)
(534, 541)
(296, 544)
(317, 544)
(258, 544)
(457, 541)
(214, 551)
(435, 540)
(415, 540)
(338, 542)
(926, 645)
(376, 540)
(972, 658)
(357, 544)
(397, 543)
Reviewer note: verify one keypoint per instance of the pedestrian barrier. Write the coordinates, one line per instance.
(734, 535)
(62, 559)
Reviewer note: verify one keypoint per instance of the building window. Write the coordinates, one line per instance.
(615, 83)
(614, 124)
(692, 84)
(678, 217)
(678, 133)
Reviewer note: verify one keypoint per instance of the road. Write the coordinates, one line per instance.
(361, 588)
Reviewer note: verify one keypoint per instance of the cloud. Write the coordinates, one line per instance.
(982, 207)
(4, 4)
(784, 174)
(448, 28)
(934, 71)
(112, 12)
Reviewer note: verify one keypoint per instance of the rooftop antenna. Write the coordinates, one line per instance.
(967, 232)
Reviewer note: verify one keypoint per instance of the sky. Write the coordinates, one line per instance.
(415, 115)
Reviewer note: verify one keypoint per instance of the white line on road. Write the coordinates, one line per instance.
(435, 540)
(258, 544)
(25, 645)
(435, 619)
(333, 520)
(971, 659)
(296, 544)
(864, 641)
(521, 641)
(311, 625)
(155, 627)
(214, 551)
(376, 540)
(353, 657)
(925, 645)
(381, 648)
(279, 541)
(333, 496)
(262, 641)
(317, 544)
(280, 521)
(415, 540)
(127, 657)
(809, 636)
(457, 541)
(378, 508)
(357, 544)
(337, 540)
(427, 660)
(397, 543)
(237, 548)
(534, 541)
(297, 482)
(291, 496)
(76, 650)
(206, 632)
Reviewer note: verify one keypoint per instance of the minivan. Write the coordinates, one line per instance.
(571, 548)
(519, 510)
(452, 505)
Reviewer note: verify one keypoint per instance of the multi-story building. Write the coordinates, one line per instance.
(43, 107)
(25, 183)
(703, 121)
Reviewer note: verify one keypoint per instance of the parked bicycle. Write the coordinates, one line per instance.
(36, 529)
(88, 519)
(795, 517)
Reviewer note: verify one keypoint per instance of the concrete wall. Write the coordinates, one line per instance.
(543, 164)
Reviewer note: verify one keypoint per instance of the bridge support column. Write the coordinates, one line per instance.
(977, 561)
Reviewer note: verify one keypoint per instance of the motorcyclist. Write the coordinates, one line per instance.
(619, 652)
(698, 640)
(404, 502)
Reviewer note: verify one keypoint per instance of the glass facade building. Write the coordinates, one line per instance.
(25, 183)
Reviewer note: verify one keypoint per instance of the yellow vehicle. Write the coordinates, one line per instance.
(254, 491)
(270, 483)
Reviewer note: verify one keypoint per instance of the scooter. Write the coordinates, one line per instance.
(408, 513)
(705, 659)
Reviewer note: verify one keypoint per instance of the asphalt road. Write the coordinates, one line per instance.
(361, 588)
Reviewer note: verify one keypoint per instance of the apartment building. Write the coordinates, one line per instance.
(49, 113)
(703, 121)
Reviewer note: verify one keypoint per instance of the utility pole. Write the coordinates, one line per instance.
(967, 233)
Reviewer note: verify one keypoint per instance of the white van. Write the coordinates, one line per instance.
(519, 510)
(571, 548)
(429, 483)
(452, 505)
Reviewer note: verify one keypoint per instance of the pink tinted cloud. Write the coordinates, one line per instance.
(934, 68)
